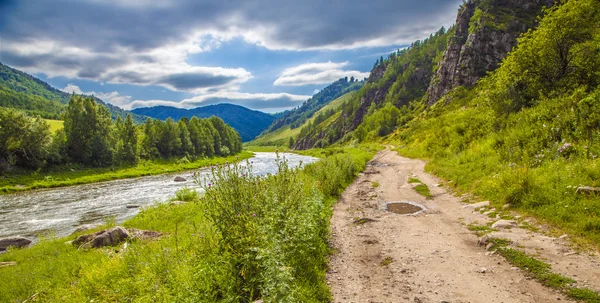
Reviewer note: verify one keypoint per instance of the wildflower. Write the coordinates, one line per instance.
(253, 215)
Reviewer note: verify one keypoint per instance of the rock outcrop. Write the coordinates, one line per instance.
(113, 236)
(14, 242)
(485, 32)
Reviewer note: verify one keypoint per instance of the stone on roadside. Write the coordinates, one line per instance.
(489, 246)
(13, 241)
(484, 240)
(179, 179)
(504, 224)
(479, 205)
(506, 206)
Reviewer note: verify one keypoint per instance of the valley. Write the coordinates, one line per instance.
(461, 166)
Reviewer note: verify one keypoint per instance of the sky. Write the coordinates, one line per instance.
(267, 55)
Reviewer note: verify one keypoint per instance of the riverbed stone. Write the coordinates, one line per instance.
(132, 206)
(13, 241)
(179, 179)
(504, 224)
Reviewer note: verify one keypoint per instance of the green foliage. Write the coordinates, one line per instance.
(521, 138)
(563, 54)
(398, 80)
(89, 132)
(187, 194)
(275, 247)
(23, 140)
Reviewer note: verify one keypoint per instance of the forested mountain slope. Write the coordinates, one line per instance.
(249, 123)
(296, 117)
(409, 80)
(286, 135)
(26, 92)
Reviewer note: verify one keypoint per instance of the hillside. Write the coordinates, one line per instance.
(296, 117)
(282, 135)
(249, 123)
(521, 130)
(26, 92)
(408, 80)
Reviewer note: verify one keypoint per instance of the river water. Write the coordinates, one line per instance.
(60, 211)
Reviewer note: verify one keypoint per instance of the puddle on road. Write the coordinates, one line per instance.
(404, 208)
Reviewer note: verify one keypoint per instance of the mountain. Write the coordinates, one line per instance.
(283, 134)
(412, 79)
(296, 117)
(486, 31)
(249, 123)
(26, 92)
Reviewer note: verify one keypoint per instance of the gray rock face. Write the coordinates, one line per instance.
(13, 241)
(482, 40)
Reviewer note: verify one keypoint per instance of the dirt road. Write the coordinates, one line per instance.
(431, 256)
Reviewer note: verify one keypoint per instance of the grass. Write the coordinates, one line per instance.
(387, 261)
(542, 272)
(55, 125)
(246, 239)
(423, 190)
(375, 184)
(74, 175)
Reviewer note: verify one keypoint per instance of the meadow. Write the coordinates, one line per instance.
(247, 238)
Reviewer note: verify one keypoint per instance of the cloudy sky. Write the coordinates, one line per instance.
(267, 55)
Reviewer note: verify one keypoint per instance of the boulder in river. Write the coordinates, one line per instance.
(179, 179)
(132, 206)
(13, 241)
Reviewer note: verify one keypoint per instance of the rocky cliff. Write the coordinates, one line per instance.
(486, 30)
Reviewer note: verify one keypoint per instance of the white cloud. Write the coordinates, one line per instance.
(113, 98)
(316, 73)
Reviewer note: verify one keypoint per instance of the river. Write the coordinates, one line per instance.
(59, 211)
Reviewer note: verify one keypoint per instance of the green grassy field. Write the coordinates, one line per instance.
(55, 125)
(249, 238)
(73, 175)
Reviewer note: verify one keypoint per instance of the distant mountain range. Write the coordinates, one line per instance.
(26, 92)
(249, 123)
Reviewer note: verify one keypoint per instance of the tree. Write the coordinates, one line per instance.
(23, 140)
(129, 137)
